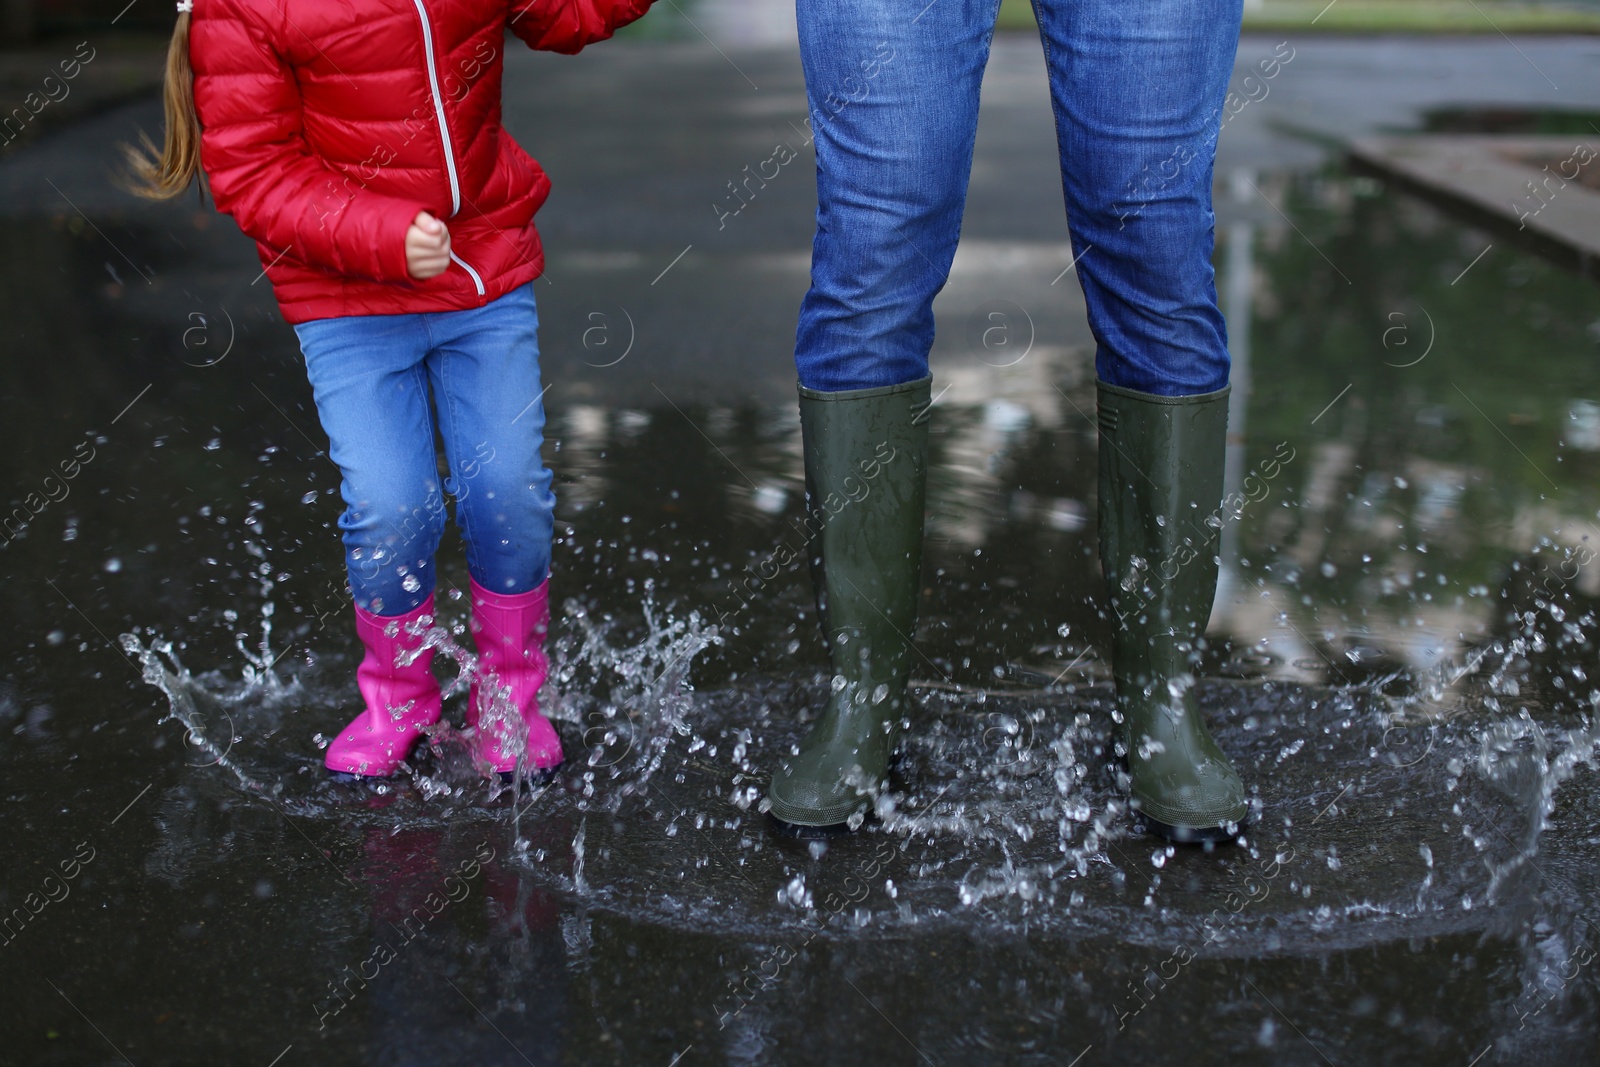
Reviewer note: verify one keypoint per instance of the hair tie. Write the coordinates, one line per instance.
(185, 5)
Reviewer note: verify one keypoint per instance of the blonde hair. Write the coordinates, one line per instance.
(161, 174)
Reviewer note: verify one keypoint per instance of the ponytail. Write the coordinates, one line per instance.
(161, 174)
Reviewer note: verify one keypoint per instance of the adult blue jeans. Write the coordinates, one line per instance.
(1137, 88)
(372, 376)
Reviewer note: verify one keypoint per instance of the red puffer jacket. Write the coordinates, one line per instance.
(328, 124)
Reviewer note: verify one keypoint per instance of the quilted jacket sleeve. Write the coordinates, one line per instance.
(569, 25)
(260, 168)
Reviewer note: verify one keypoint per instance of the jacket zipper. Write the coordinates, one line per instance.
(438, 108)
(476, 280)
(444, 137)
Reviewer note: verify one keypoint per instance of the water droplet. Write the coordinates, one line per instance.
(309, 498)
(213, 444)
(795, 893)
(113, 565)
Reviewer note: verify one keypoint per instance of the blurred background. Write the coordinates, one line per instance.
(1401, 656)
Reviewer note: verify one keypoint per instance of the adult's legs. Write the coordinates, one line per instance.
(893, 89)
(1138, 88)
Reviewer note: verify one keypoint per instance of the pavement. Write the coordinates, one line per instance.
(1536, 188)
(56, 83)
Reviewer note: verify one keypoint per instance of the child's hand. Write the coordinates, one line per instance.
(427, 247)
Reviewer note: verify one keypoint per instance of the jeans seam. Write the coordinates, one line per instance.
(447, 413)
(1044, 38)
(403, 543)
(425, 387)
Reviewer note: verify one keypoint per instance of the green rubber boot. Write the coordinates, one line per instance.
(866, 469)
(1161, 460)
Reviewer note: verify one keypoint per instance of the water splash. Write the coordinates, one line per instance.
(185, 697)
(1000, 806)
(579, 885)
(632, 697)
(1529, 763)
(1010, 806)
(638, 689)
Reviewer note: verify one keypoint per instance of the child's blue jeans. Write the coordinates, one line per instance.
(372, 376)
(1138, 88)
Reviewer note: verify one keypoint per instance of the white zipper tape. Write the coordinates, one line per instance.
(476, 280)
(438, 107)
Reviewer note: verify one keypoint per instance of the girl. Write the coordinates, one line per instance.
(360, 144)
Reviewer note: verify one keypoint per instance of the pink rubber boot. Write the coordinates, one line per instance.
(402, 698)
(510, 630)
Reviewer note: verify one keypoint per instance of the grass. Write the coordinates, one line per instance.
(1386, 16)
